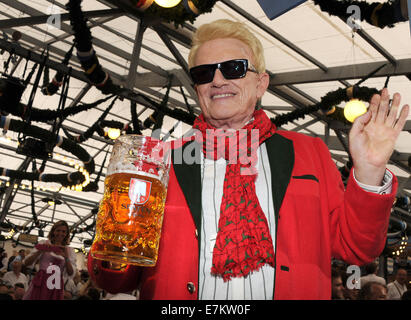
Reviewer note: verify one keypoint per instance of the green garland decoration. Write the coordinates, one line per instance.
(11, 89)
(328, 104)
(66, 180)
(178, 14)
(378, 14)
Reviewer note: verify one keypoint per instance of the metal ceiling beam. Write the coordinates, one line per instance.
(403, 68)
(172, 48)
(135, 57)
(181, 36)
(41, 19)
(44, 208)
(11, 191)
(143, 46)
(22, 207)
(305, 125)
(278, 108)
(160, 96)
(377, 47)
(68, 198)
(342, 72)
(150, 79)
(82, 220)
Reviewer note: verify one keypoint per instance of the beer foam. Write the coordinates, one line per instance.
(141, 173)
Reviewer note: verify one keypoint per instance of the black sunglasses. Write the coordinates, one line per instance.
(231, 69)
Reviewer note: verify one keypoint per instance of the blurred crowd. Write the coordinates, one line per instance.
(15, 279)
(346, 285)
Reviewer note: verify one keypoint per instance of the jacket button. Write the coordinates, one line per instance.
(191, 287)
(196, 233)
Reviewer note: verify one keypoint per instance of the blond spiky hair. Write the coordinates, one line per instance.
(225, 28)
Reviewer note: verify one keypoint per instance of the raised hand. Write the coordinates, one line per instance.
(373, 135)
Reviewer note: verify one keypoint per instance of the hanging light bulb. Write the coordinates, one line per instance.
(167, 3)
(114, 133)
(353, 109)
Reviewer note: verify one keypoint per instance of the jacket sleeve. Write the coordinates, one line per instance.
(358, 219)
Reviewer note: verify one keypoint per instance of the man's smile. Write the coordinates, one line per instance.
(222, 95)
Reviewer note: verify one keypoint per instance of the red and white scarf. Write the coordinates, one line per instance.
(243, 241)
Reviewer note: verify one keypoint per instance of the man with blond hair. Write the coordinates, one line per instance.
(263, 220)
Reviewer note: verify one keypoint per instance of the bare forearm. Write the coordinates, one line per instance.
(69, 267)
(32, 258)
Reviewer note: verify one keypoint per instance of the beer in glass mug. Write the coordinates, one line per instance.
(130, 215)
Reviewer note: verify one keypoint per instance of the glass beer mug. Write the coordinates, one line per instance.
(130, 215)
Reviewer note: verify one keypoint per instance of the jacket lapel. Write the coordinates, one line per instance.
(189, 178)
(280, 152)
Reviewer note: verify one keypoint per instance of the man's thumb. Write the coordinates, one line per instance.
(360, 122)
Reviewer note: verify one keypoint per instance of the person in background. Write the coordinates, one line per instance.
(89, 290)
(4, 291)
(131, 295)
(337, 287)
(55, 258)
(94, 293)
(70, 287)
(371, 270)
(21, 255)
(399, 286)
(15, 276)
(10, 261)
(373, 291)
(3, 261)
(19, 291)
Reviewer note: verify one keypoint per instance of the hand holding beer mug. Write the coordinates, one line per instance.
(131, 213)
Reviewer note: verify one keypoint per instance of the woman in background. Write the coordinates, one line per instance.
(54, 258)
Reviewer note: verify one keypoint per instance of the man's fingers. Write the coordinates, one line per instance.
(383, 107)
(392, 115)
(402, 118)
(373, 108)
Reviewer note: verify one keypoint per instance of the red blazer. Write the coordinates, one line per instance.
(315, 221)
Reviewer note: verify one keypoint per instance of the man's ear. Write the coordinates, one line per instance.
(264, 81)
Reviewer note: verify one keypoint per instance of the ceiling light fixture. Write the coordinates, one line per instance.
(353, 109)
(51, 201)
(167, 3)
(113, 133)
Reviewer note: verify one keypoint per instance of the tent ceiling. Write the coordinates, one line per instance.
(308, 54)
